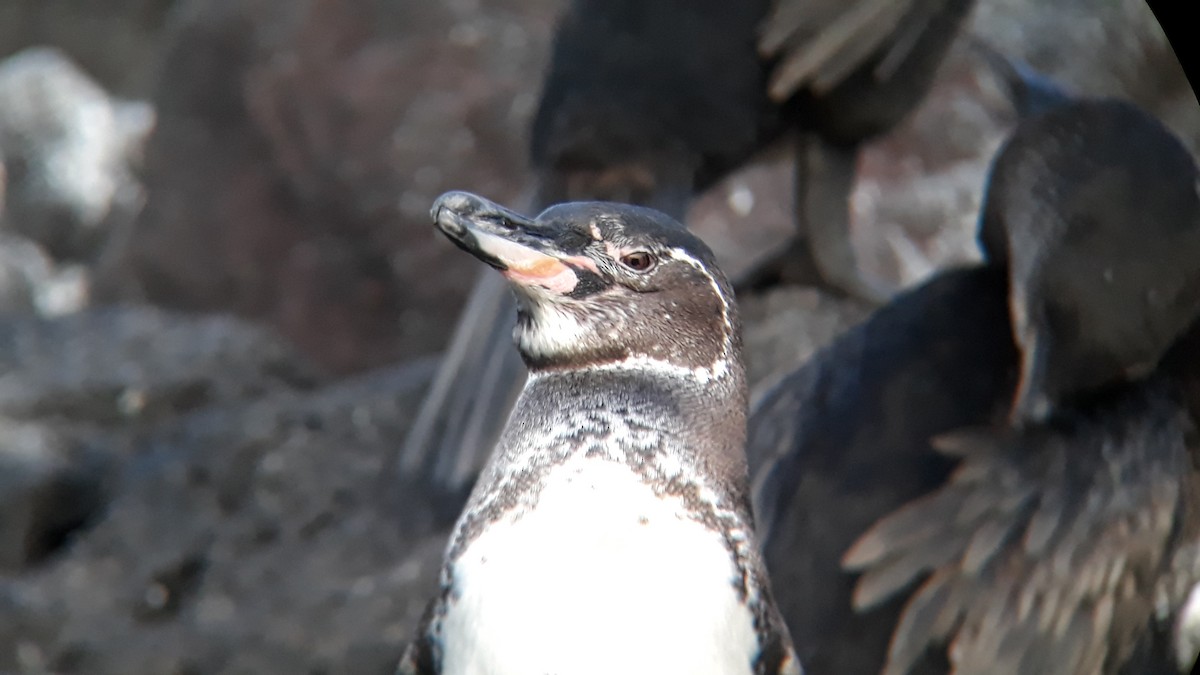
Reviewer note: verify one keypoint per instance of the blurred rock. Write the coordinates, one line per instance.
(317, 134)
(784, 326)
(1111, 48)
(26, 621)
(49, 487)
(30, 282)
(24, 268)
(68, 290)
(67, 148)
(134, 365)
(115, 41)
(248, 538)
(76, 392)
(748, 215)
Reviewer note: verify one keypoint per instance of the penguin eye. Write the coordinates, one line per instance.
(639, 261)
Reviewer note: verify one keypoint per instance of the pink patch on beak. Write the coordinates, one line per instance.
(527, 266)
(550, 274)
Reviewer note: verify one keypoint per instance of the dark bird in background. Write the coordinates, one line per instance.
(845, 439)
(651, 102)
(1010, 435)
(1066, 542)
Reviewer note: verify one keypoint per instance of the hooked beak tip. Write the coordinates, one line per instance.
(454, 201)
(501, 238)
(1030, 406)
(452, 211)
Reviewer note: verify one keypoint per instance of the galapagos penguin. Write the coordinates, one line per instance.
(610, 530)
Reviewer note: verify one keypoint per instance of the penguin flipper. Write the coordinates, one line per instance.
(410, 664)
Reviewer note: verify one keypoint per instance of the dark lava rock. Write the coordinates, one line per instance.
(247, 538)
(117, 365)
(76, 394)
(298, 149)
(116, 41)
(51, 485)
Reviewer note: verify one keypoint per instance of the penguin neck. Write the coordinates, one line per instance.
(680, 437)
(638, 410)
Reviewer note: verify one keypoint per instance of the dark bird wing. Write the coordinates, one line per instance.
(842, 72)
(845, 440)
(1045, 548)
(818, 44)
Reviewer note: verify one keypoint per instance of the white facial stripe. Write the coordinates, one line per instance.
(648, 364)
(721, 366)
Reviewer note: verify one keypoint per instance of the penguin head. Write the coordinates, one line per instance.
(604, 284)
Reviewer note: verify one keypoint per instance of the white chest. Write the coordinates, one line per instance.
(602, 577)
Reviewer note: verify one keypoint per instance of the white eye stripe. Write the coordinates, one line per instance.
(721, 366)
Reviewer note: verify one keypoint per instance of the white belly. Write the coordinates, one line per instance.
(602, 577)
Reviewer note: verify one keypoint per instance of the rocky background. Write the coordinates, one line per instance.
(221, 299)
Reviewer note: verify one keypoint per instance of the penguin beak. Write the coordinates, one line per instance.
(1032, 402)
(517, 246)
(1031, 93)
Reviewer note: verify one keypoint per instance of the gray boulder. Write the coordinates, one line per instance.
(68, 148)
